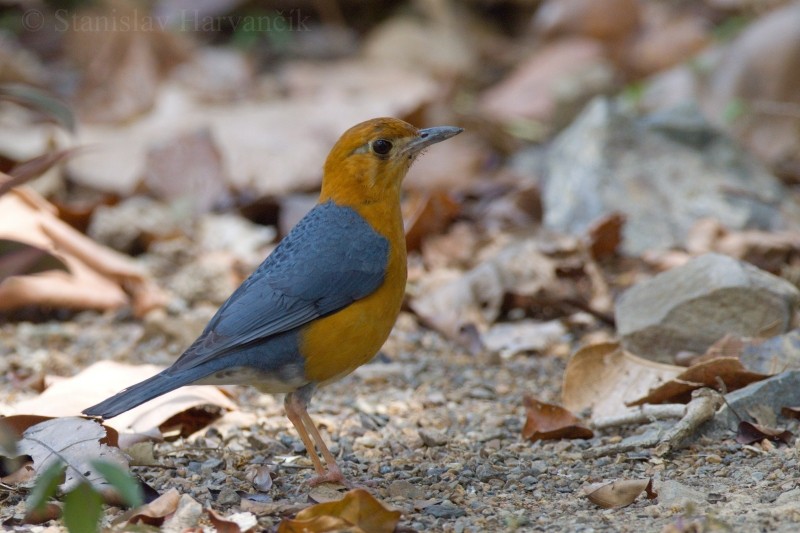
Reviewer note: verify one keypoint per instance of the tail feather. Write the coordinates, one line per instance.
(140, 393)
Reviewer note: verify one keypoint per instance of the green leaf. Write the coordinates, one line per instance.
(83, 508)
(39, 100)
(45, 487)
(122, 481)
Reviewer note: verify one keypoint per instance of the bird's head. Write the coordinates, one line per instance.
(371, 159)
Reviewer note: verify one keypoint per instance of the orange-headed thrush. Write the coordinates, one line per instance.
(324, 301)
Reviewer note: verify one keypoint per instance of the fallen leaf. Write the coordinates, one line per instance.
(182, 409)
(620, 493)
(98, 277)
(237, 523)
(605, 235)
(18, 424)
(612, 20)
(708, 374)
(188, 169)
(511, 338)
(20, 259)
(790, 412)
(749, 433)
(549, 422)
(604, 378)
(475, 298)
(541, 87)
(76, 442)
(358, 512)
(152, 513)
(427, 214)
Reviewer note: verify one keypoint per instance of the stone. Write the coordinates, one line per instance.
(774, 393)
(663, 172)
(694, 305)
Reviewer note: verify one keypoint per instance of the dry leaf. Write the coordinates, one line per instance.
(611, 20)
(236, 523)
(605, 235)
(427, 214)
(620, 493)
(74, 441)
(531, 91)
(751, 91)
(603, 377)
(152, 513)
(70, 396)
(188, 168)
(98, 277)
(749, 433)
(679, 389)
(790, 412)
(546, 421)
(475, 298)
(357, 512)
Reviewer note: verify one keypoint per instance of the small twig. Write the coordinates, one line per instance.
(641, 415)
(704, 404)
(701, 409)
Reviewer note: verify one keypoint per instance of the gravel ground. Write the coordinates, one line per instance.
(429, 430)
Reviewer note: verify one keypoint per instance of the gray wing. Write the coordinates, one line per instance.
(331, 258)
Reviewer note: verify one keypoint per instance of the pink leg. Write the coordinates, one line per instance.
(296, 410)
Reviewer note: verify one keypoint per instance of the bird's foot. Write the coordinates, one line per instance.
(331, 475)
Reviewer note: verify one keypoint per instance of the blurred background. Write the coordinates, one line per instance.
(191, 135)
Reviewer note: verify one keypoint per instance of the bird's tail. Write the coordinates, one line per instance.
(136, 395)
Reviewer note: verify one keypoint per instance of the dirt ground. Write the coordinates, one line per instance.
(428, 430)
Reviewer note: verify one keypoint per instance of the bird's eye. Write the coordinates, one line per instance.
(381, 146)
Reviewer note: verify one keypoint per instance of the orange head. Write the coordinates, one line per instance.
(369, 161)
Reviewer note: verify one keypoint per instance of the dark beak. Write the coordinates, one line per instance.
(430, 136)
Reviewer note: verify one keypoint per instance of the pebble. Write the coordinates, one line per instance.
(228, 496)
(446, 509)
(432, 438)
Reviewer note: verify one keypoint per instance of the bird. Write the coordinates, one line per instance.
(324, 301)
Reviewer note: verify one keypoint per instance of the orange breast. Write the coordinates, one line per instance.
(336, 345)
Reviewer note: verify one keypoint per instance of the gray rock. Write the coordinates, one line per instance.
(664, 172)
(692, 306)
(674, 494)
(774, 393)
(228, 496)
(446, 509)
(772, 355)
(432, 437)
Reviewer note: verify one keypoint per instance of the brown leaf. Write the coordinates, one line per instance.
(611, 20)
(188, 168)
(152, 513)
(679, 390)
(358, 511)
(98, 277)
(20, 259)
(790, 412)
(172, 410)
(749, 433)
(474, 299)
(227, 525)
(603, 377)
(620, 493)
(33, 168)
(605, 235)
(751, 91)
(532, 91)
(549, 422)
(428, 214)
